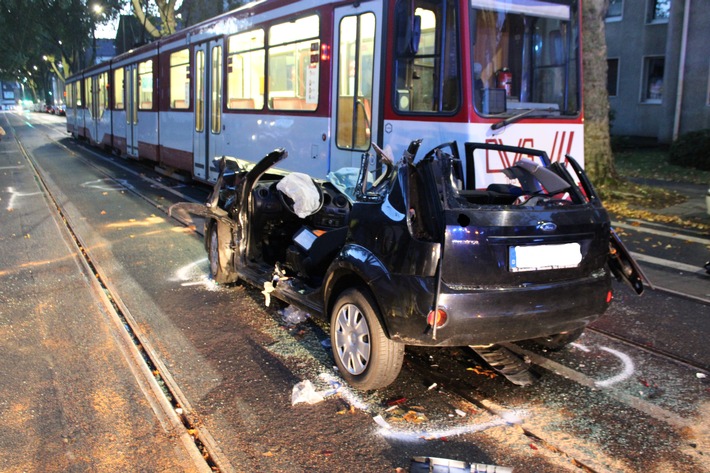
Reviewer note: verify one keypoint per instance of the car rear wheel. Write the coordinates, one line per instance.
(366, 358)
(220, 254)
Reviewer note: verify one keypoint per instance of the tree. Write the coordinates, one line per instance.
(598, 158)
(42, 38)
(166, 11)
(159, 17)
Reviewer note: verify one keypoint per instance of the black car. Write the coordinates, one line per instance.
(412, 253)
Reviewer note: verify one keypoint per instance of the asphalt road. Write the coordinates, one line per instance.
(75, 395)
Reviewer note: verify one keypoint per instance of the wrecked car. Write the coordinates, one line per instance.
(412, 252)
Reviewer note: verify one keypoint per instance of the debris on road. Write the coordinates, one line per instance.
(442, 465)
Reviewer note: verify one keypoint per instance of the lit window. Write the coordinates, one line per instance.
(355, 68)
(660, 10)
(180, 79)
(145, 81)
(427, 76)
(118, 89)
(653, 79)
(294, 64)
(245, 71)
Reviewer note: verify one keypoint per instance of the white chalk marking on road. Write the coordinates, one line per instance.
(626, 373)
(409, 436)
(14, 194)
(108, 184)
(581, 347)
(3, 168)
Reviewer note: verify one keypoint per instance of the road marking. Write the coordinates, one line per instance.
(688, 268)
(676, 235)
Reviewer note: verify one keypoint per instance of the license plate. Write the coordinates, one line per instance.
(544, 257)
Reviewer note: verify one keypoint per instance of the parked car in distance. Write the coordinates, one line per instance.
(412, 253)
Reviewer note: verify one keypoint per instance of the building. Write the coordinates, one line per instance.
(658, 53)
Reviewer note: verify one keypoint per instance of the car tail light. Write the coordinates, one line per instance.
(609, 297)
(437, 318)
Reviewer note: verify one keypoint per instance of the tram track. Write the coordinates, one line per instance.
(162, 392)
(179, 407)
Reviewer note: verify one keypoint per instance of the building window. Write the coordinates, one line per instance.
(180, 79)
(660, 10)
(612, 77)
(615, 10)
(653, 79)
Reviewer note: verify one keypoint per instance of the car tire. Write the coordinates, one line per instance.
(220, 253)
(366, 358)
(560, 340)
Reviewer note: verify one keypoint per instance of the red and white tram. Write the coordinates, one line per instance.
(325, 79)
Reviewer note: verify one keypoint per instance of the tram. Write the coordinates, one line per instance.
(327, 79)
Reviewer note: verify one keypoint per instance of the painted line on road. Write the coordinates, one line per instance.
(688, 268)
(676, 235)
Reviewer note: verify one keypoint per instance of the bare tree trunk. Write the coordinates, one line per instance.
(598, 158)
(166, 9)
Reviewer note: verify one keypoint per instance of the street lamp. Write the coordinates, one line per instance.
(98, 9)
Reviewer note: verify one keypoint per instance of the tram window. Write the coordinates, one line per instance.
(88, 92)
(180, 79)
(145, 82)
(525, 57)
(69, 95)
(199, 91)
(77, 93)
(427, 59)
(118, 86)
(245, 71)
(355, 69)
(294, 61)
(102, 93)
(216, 89)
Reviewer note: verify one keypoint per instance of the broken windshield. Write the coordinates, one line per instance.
(525, 57)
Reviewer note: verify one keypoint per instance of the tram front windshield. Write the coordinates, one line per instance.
(525, 57)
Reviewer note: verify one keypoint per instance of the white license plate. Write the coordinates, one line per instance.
(544, 257)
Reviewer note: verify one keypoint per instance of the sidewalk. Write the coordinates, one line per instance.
(694, 208)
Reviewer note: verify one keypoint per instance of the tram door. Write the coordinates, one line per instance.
(356, 108)
(131, 101)
(207, 142)
(94, 109)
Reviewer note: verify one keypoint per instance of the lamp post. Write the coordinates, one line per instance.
(98, 9)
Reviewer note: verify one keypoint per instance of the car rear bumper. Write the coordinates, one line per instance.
(494, 315)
